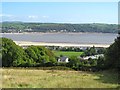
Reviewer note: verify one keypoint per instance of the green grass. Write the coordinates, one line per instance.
(35, 78)
(67, 53)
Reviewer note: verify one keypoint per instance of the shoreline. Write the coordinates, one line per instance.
(60, 33)
(28, 43)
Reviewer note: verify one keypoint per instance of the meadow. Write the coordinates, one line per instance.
(36, 78)
(67, 53)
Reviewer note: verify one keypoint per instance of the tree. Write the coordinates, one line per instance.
(92, 50)
(12, 54)
(41, 55)
(74, 62)
(92, 62)
(32, 53)
(112, 56)
(101, 51)
(100, 63)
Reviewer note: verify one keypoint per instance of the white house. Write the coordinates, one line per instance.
(63, 59)
(93, 57)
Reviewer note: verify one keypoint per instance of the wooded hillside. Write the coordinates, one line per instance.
(57, 27)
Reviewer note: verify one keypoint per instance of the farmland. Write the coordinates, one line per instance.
(67, 53)
(36, 78)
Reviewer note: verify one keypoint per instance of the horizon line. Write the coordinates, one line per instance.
(57, 22)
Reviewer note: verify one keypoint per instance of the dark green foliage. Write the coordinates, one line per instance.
(100, 63)
(14, 55)
(74, 62)
(93, 51)
(101, 51)
(90, 51)
(112, 59)
(41, 55)
(84, 65)
(50, 27)
(92, 62)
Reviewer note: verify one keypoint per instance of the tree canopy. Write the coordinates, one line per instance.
(14, 55)
(113, 55)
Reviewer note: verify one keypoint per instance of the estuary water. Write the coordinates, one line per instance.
(75, 38)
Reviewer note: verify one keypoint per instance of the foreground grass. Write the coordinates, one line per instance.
(67, 53)
(34, 78)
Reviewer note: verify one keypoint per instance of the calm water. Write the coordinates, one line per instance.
(81, 38)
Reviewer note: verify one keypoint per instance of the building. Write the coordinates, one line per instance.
(63, 59)
(93, 57)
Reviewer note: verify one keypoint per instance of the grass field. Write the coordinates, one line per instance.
(34, 78)
(67, 53)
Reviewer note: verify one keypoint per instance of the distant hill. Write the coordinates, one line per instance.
(57, 27)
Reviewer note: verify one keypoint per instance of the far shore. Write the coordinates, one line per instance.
(59, 33)
(27, 43)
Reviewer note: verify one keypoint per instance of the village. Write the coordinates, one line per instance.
(65, 59)
(89, 52)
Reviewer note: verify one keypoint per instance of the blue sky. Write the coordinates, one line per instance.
(60, 12)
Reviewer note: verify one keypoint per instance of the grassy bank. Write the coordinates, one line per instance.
(35, 78)
(67, 53)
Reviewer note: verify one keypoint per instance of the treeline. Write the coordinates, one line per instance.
(56, 27)
(15, 56)
(37, 56)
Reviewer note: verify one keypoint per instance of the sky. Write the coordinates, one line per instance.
(60, 12)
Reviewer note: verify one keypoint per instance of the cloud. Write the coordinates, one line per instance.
(45, 16)
(6, 15)
(32, 17)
